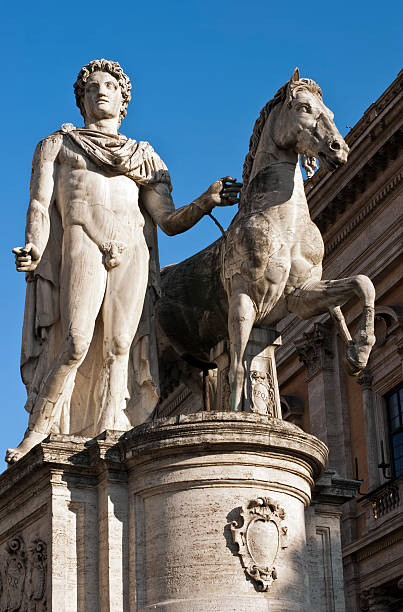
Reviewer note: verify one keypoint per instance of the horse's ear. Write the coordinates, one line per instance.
(295, 76)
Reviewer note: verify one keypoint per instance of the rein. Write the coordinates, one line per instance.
(218, 224)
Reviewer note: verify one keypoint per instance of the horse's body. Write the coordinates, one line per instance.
(269, 262)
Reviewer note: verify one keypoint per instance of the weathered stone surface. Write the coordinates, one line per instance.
(142, 520)
(91, 257)
(268, 263)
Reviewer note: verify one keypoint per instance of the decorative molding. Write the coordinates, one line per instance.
(259, 539)
(364, 212)
(170, 406)
(377, 547)
(323, 532)
(23, 576)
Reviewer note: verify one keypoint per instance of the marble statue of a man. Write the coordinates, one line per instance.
(90, 254)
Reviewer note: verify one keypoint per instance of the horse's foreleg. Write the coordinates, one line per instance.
(318, 297)
(241, 317)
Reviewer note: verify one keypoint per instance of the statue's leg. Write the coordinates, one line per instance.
(241, 317)
(121, 312)
(251, 298)
(318, 297)
(82, 287)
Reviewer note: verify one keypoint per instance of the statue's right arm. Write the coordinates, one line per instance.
(44, 168)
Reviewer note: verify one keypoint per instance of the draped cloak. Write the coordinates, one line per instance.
(114, 155)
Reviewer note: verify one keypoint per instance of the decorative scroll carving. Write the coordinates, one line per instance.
(365, 379)
(314, 350)
(263, 391)
(23, 576)
(259, 539)
(15, 568)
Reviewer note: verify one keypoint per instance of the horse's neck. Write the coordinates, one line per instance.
(280, 174)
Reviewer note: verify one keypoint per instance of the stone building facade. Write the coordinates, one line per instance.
(358, 210)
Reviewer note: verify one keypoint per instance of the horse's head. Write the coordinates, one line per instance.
(306, 125)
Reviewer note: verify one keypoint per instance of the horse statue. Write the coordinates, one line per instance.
(268, 263)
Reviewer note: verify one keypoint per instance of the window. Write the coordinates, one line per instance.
(395, 422)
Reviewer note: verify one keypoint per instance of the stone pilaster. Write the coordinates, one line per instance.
(371, 436)
(324, 541)
(319, 352)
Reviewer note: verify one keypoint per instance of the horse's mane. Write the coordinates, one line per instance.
(291, 88)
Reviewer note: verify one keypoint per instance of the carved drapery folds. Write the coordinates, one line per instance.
(259, 539)
(314, 350)
(23, 576)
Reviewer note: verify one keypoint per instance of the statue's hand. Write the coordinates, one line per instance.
(224, 192)
(26, 257)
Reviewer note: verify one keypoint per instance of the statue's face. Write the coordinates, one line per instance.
(102, 97)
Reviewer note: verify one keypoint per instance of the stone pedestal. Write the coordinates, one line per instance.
(203, 512)
(261, 394)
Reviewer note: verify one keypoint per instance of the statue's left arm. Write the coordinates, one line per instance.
(157, 200)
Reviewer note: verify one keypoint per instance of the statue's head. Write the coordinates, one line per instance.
(107, 66)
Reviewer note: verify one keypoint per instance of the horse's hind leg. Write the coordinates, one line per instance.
(241, 317)
(318, 297)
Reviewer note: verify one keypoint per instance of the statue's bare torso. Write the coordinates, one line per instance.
(106, 207)
(88, 181)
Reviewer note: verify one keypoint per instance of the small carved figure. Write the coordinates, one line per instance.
(269, 261)
(89, 254)
(15, 574)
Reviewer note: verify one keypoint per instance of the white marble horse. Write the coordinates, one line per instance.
(269, 261)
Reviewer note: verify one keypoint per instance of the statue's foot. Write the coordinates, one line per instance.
(31, 439)
(351, 366)
(357, 356)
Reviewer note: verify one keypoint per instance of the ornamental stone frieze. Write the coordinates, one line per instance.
(23, 573)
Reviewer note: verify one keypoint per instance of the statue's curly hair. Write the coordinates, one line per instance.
(115, 70)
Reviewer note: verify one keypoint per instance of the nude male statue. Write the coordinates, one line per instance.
(87, 258)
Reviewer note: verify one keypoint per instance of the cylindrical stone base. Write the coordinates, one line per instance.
(192, 513)
(189, 478)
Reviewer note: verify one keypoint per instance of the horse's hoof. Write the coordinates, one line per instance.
(353, 367)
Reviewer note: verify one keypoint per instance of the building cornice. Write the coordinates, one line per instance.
(374, 141)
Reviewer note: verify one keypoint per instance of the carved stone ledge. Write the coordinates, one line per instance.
(259, 539)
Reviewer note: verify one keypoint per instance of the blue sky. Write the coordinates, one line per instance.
(202, 70)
